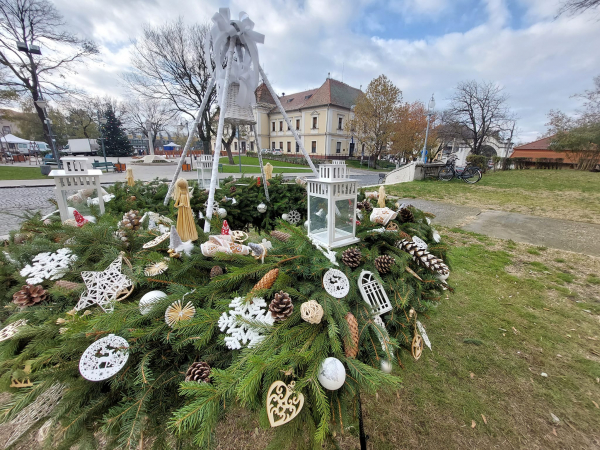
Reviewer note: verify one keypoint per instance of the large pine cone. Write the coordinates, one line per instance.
(351, 346)
(30, 295)
(216, 271)
(232, 189)
(131, 220)
(281, 306)
(406, 215)
(198, 371)
(384, 263)
(352, 257)
(280, 235)
(365, 204)
(423, 257)
(267, 281)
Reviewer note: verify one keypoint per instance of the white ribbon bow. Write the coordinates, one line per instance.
(245, 64)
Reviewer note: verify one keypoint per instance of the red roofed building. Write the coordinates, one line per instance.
(540, 150)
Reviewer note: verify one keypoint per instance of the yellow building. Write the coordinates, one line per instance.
(318, 115)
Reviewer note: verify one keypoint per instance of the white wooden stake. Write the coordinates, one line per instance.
(222, 108)
(209, 88)
(287, 120)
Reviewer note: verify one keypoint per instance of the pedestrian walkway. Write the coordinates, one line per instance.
(577, 237)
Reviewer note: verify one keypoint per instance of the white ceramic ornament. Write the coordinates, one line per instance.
(222, 213)
(306, 224)
(149, 299)
(332, 374)
(48, 266)
(104, 358)
(419, 242)
(284, 217)
(336, 283)
(241, 332)
(262, 208)
(386, 366)
(436, 236)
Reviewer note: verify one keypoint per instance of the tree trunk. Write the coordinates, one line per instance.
(227, 144)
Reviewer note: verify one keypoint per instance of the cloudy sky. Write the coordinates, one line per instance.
(423, 46)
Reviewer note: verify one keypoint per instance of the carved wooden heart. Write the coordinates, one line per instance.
(283, 404)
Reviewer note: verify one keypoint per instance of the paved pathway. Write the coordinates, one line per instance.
(15, 202)
(555, 233)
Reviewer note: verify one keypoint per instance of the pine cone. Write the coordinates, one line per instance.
(232, 189)
(198, 371)
(131, 220)
(352, 257)
(351, 347)
(406, 215)
(281, 306)
(280, 235)
(423, 257)
(216, 271)
(30, 295)
(384, 263)
(267, 281)
(68, 285)
(365, 204)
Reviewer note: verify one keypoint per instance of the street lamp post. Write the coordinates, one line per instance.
(41, 103)
(430, 109)
(101, 122)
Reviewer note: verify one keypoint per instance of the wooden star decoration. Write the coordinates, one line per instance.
(105, 288)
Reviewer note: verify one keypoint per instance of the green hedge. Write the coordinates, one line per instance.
(479, 161)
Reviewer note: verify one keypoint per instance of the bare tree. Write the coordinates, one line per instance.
(35, 22)
(574, 7)
(170, 65)
(477, 112)
(149, 116)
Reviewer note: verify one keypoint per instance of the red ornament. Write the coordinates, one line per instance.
(225, 228)
(258, 181)
(357, 222)
(81, 221)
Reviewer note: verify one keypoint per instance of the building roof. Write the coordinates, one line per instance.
(331, 92)
(550, 154)
(540, 144)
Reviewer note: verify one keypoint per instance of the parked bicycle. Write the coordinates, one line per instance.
(469, 174)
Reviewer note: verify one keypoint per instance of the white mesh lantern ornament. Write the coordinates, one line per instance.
(104, 358)
(336, 283)
(332, 206)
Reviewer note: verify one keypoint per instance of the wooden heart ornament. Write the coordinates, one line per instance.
(283, 404)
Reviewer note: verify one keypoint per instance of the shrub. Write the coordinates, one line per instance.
(478, 161)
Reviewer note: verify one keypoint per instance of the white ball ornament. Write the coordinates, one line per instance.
(149, 299)
(262, 208)
(386, 366)
(222, 213)
(306, 224)
(284, 217)
(332, 374)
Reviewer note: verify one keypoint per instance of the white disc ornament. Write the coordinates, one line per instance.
(336, 283)
(104, 358)
(294, 217)
(420, 242)
(332, 374)
(262, 208)
(222, 213)
(149, 299)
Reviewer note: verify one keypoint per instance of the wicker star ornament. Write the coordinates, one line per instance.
(106, 287)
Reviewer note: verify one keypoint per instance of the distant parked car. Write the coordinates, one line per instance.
(266, 151)
(277, 152)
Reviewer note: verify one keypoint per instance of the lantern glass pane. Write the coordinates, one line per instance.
(344, 218)
(318, 217)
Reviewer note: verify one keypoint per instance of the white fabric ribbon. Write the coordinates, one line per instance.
(244, 67)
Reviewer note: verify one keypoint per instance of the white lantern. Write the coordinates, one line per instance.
(332, 206)
(332, 374)
(204, 171)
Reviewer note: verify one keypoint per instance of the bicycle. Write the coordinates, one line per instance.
(470, 174)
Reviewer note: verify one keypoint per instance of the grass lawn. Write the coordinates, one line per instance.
(517, 311)
(21, 173)
(560, 194)
(355, 164)
(256, 169)
(248, 160)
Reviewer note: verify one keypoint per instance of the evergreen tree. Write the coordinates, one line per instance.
(116, 142)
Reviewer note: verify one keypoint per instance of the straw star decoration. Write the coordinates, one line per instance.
(105, 288)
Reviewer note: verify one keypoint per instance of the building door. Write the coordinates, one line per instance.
(351, 149)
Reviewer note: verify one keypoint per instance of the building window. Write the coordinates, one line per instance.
(297, 124)
(235, 146)
(297, 147)
(6, 129)
(273, 126)
(314, 126)
(281, 125)
(314, 147)
(289, 149)
(340, 123)
(251, 146)
(338, 147)
(281, 146)
(243, 144)
(273, 147)
(363, 149)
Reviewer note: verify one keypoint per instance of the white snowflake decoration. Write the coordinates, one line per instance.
(419, 242)
(293, 217)
(104, 358)
(242, 333)
(104, 288)
(11, 329)
(48, 266)
(336, 283)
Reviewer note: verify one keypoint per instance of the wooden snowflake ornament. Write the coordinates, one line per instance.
(104, 358)
(105, 288)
